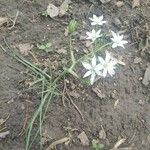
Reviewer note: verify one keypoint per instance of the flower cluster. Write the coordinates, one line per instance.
(98, 65)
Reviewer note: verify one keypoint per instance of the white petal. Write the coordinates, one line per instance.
(121, 45)
(101, 60)
(111, 71)
(114, 34)
(93, 32)
(98, 67)
(114, 45)
(124, 42)
(94, 61)
(113, 39)
(104, 72)
(99, 73)
(94, 17)
(98, 32)
(121, 37)
(88, 73)
(91, 19)
(103, 22)
(93, 23)
(88, 33)
(100, 18)
(92, 78)
(86, 65)
(108, 57)
(113, 63)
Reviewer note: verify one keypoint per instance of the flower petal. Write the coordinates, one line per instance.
(88, 73)
(104, 72)
(94, 61)
(86, 65)
(101, 18)
(98, 67)
(94, 17)
(114, 45)
(114, 34)
(92, 78)
(101, 60)
(108, 57)
(111, 71)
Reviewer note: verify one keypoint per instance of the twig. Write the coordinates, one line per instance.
(63, 94)
(14, 21)
(76, 107)
(25, 123)
(33, 55)
(55, 143)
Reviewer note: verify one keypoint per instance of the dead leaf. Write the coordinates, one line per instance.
(135, 3)
(137, 60)
(4, 134)
(102, 133)
(3, 20)
(25, 48)
(1, 121)
(121, 141)
(116, 103)
(105, 1)
(82, 37)
(61, 51)
(64, 7)
(148, 138)
(119, 3)
(74, 94)
(52, 10)
(98, 92)
(63, 140)
(146, 79)
(83, 138)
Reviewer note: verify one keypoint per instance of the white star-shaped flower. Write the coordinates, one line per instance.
(93, 69)
(97, 20)
(93, 35)
(108, 65)
(118, 40)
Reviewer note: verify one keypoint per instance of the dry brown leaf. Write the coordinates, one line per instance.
(135, 3)
(74, 94)
(137, 60)
(119, 3)
(52, 10)
(105, 1)
(98, 92)
(3, 20)
(102, 133)
(83, 138)
(25, 48)
(4, 134)
(63, 140)
(121, 141)
(64, 7)
(146, 79)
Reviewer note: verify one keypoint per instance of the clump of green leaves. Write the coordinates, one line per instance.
(72, 26)
(96, 145)
(46, 47)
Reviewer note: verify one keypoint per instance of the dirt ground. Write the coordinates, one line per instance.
(120, 110)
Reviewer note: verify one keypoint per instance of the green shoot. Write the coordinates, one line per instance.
(46, 47)
(72, 26)
(96, 145)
